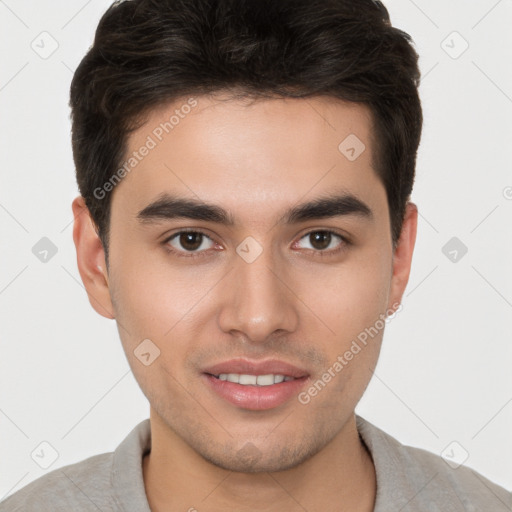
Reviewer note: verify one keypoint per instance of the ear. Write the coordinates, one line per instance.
(91, 259)
(402, 257)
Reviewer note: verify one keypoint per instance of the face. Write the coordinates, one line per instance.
(274, 263)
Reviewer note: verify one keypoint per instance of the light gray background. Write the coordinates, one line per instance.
(445, 368)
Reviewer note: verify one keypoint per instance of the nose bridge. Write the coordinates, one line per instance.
(258, 302)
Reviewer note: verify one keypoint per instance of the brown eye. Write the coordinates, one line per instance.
(323, 240)
(189, 241)
(320, 239)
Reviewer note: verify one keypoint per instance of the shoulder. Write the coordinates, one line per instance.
(109, 482)
(82, 486)
(416, 479)
(473, 490)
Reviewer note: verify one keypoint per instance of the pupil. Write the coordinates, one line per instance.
(324, 239)
(187, 240)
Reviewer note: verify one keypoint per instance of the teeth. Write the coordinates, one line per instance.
(254, 380)
(263, 380)
(248, 379)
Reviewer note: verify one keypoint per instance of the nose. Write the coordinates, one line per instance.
(258, 300)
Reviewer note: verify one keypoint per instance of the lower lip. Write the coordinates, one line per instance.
(255, 398)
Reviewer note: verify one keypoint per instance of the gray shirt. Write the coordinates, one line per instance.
(408, 479)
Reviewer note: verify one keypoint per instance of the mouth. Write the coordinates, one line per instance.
(255, 385)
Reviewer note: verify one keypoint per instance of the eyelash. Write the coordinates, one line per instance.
(183, 254)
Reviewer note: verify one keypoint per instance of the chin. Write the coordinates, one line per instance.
(250, 459)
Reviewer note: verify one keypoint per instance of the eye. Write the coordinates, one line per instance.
(322, 241)
(192, 242)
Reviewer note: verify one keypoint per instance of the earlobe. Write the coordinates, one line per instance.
(91, 259)
(402, 257)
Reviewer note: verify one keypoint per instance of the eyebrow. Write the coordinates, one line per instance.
(168, 207)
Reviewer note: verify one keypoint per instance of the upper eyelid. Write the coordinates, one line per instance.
(170, 237)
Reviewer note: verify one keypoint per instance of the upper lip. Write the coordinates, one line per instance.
(248, 367)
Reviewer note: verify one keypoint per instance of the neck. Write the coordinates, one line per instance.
(340, 477)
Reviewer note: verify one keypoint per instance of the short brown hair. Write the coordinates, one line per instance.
(147, 53)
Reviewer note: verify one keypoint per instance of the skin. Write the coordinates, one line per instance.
(291, 303)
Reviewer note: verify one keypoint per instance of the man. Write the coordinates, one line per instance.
(245, 170)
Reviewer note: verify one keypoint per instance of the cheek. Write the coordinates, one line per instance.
(350, 301)
(349, 297)
(161, 302)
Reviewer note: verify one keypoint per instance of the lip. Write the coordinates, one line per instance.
(248, 367)
(255, 398)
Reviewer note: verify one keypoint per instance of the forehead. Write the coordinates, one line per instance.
(250, 155)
